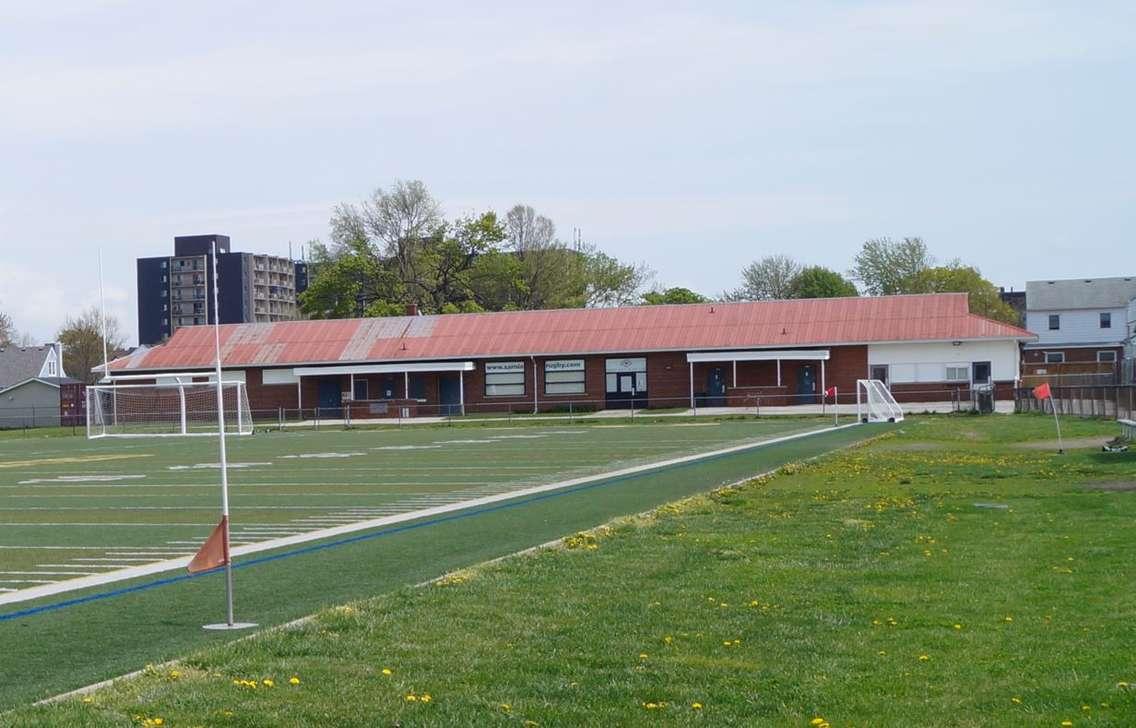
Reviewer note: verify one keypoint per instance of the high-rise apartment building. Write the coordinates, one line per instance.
(177, 290)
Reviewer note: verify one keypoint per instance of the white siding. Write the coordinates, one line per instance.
(1131, 347)
(911, 363)
(1077, 326)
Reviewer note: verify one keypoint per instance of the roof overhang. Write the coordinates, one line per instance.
(27, 381)
(695, 357)
(407, 367)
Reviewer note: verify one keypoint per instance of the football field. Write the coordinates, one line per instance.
(75, 512)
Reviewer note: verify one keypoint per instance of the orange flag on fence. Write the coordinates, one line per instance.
(1041, 391)
(214, 552)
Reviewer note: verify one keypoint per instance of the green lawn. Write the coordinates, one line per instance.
(156, 621)
(947, 573)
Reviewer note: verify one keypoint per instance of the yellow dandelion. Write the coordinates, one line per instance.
(696, 706)
(387, 671)
(668, 639)
(958, 626)
(293, 680)
(1122, 685)
(817, 721)
(642, 655)
(883, 653)
(1086, 708)
(506, 707)
(1016, 700)
(1066, 723)
(1008, 618)
(411, 698)
(269, 682)
(426, 698)
(924, 658)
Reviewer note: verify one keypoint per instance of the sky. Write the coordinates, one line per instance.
(692, 136)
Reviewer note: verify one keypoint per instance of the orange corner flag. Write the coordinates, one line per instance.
(214, 552)
(1041, 391)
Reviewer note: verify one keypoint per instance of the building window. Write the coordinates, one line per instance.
(564, 376)
(958, 373)
(1054, 357)
(360, 393)
(504, 378)
(1054, 321)
(1106, 320)
(1106, 357)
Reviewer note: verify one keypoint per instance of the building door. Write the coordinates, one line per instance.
(806, 384)
(980, 372)
(626, 383)
(330, 398)
(715, 388)
(880, 372)
(449, 394)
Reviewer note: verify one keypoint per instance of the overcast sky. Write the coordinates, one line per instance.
(693, 136)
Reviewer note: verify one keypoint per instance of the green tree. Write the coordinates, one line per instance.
(884, 267)
(985, 298)
(819, 282)
(673, 295)
(766, 279)
(82, 340)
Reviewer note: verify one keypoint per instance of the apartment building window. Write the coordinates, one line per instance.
(1054, 357)
(1106, 320)
(1106, 357)
(1054, 321)
(958, 373)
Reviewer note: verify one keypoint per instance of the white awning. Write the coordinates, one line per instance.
(765, 355)
(408, 367)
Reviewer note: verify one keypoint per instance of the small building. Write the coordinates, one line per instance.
(1082, 324)
(35, 391)
(177, 290)
(925, 347)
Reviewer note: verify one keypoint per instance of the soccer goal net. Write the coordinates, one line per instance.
(874, 402)
(165, 410)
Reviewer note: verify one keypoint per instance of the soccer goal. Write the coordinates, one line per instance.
(874, 402)
(166, 410)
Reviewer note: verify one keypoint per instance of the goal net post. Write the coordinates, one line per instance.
(875, 403)
(175, 409)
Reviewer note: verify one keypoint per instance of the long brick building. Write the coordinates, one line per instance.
(925, 347)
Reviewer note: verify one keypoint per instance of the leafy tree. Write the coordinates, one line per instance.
(82, 339)
(985, 299)
(608, 282)
(819, 282)
(885, 267)
(766, 279)
(673, 295)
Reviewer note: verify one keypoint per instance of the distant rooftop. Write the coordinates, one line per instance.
(1080, 293)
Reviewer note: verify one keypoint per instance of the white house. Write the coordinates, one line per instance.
(1083, 324)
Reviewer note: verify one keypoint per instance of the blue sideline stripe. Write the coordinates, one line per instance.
(32, 611)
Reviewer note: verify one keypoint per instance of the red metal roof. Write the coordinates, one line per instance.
(691, 327)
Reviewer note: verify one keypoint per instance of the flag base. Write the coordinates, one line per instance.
(227, 626)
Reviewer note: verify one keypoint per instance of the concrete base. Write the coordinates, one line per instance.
(225, 626)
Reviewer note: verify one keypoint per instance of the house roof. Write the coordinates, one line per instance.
(1077, 293)
(690, 327)
(49, 381)
(18, 363)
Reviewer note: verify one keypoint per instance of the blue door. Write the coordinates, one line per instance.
(449, 394)
(330, 398)
(715, 388)
(806, 385)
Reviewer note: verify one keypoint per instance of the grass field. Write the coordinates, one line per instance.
(93, 634)
(956, 572)
(72, 508)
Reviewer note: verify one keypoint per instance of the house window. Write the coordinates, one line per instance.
(1106, 320)
(564, 376)
(360, 393)
(1054, 321)
(1054, 357)
(1106, 357)
(958, 373)
(504, 378)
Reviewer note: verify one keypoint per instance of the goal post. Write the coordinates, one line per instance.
(875, 403)
(174, 409)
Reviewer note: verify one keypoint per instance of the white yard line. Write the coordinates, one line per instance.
(325, 533)
(47, 573)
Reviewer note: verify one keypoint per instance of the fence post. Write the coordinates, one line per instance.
(317, 418)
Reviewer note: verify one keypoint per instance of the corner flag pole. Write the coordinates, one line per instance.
(1060, 444)
(224, 526)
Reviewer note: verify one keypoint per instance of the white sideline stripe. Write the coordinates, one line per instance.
(88, 548)
(116, 560)
(177, 552)
(54, 525)
(77, 566)
(159, 567)
(27, 581)
(6, 589)
(47, 573)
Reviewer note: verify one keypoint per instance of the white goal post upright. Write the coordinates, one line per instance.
(875, 403)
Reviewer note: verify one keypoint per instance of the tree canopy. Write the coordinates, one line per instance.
(396, 248)
(885, 267)
(82, 339)
(985, 298)
(766, 279)
(817, 281)
(673, 295)
(8, 332)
